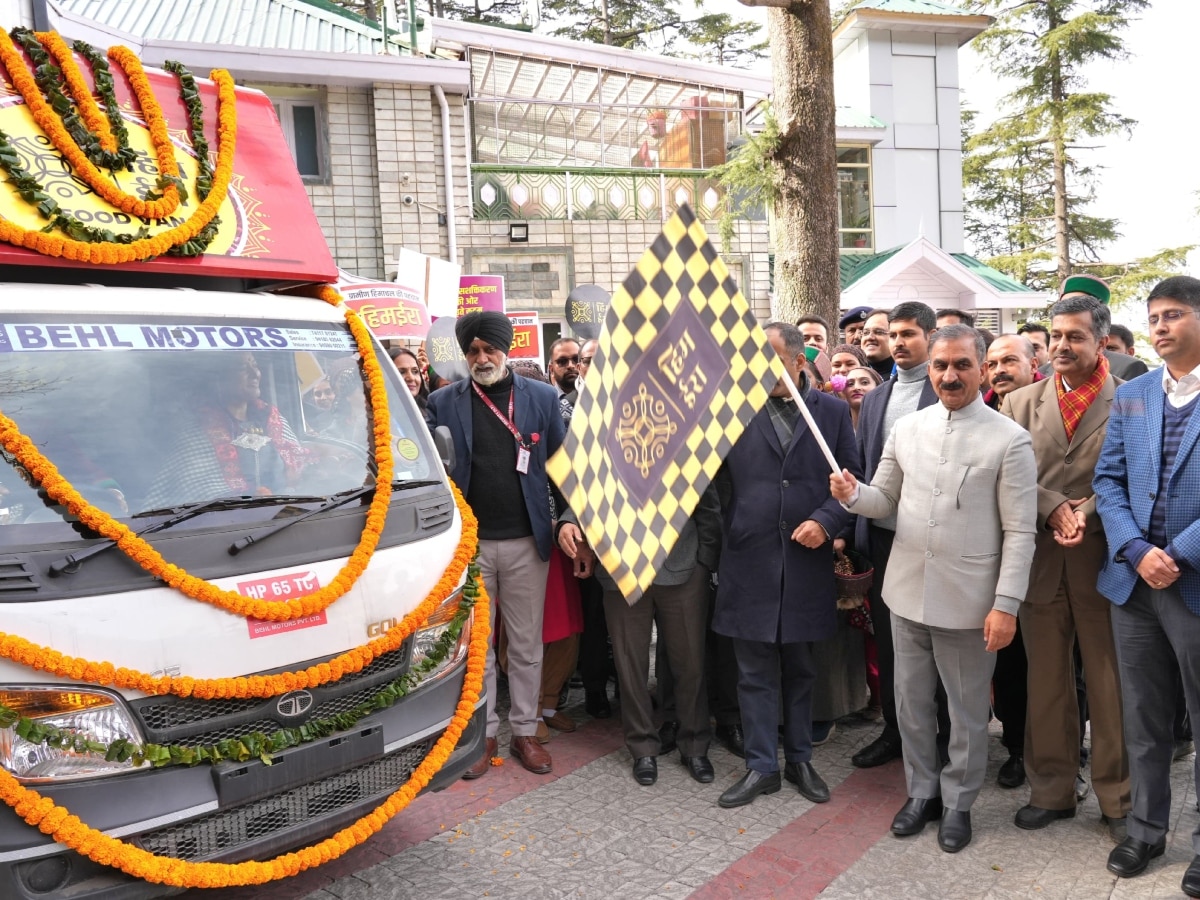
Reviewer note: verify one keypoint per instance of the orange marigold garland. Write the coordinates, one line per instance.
(89, 109)
(55, 821)
(144, 554)
(105, 674)
(49, 122)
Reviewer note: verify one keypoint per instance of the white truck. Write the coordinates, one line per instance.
(228, 425)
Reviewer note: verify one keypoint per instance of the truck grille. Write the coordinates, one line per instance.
(194, 723)
(210, 835)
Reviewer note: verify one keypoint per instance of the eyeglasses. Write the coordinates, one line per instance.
(585, 360)
(567, 360)
(1170, 316)
(877, 332)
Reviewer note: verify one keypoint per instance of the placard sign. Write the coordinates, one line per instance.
(445, 356)
(527, 336)
(587, 305)
(390, 310)
(479, 292)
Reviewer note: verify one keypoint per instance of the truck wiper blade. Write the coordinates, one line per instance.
(244, 501)
(332, 502)
(70, 564)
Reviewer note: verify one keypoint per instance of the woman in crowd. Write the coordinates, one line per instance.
(860, 381)
(409, 367)
(845, 357)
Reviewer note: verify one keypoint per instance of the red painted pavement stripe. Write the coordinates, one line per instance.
(433, 813)
(804, 857)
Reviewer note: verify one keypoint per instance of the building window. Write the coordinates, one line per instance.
(855, 227)
(303, 123)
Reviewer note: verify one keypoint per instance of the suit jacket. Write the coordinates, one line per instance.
(1120, 365)
(1065, 472)
(535, 410)
(959, 482)
(1126, 485)
(771, 587)
(871, 440)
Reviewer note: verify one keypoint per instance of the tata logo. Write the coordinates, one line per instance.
(295, 703)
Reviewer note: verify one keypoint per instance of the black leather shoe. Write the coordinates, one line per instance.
(1012, 773)
(914, 814)
(1031, 818)
(804, 776)
(1131, 856)
(666, 737)
(955, 831)
(750, 786)
(1191, 879)
(597, 705)
(699, 768)
(882, 750)
(645, 770)
(732, 738)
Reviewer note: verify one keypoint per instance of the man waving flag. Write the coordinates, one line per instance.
(681, 368)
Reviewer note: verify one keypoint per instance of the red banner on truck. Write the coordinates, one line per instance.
(268, 231)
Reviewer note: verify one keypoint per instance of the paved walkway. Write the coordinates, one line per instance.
(588, 830)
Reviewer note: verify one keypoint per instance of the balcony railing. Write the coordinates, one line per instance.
(508, 192)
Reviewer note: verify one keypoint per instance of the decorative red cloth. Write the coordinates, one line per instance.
(260, 419)
(1073, 404)
(563, 614)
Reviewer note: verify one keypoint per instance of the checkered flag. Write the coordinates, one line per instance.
(681, 369)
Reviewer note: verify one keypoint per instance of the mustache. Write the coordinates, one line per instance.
(952, 385)
(1000, 379)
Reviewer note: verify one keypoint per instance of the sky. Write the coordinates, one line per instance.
(1149, 179)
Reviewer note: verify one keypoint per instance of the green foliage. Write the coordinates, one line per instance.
(1049, 120)
(720, 40)
(1133, 280)
(748, 178)
(619, 23)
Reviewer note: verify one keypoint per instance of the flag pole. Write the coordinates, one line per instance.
(812, 425)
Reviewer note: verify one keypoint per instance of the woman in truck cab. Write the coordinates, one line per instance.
(237, 445)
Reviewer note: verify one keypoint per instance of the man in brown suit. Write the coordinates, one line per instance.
(1067, 416)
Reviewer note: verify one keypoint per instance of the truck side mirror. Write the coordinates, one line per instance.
(445, 446)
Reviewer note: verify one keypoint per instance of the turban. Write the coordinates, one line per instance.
(494, 327)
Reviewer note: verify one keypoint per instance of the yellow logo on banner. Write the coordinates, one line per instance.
(236, 236)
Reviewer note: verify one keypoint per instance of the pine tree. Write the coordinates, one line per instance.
(632, 24)
(719, 39)
(1027, 185)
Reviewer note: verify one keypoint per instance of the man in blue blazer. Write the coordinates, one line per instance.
(909, 327)
(1147, 485)
(776, 591)
(504, 428)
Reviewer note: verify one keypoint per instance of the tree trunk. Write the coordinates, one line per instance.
(1058, 141)
(806, 227)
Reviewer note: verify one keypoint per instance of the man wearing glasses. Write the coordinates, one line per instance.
(875, 343)
(564, 366)
(1147, 487)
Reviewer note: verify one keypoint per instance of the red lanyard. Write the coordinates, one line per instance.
(508, 423)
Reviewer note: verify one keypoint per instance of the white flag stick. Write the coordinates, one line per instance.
(812, 426)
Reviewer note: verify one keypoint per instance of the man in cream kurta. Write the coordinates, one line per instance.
(960, 479)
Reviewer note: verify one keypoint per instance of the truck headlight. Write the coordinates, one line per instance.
(94, 715)
(426, 639)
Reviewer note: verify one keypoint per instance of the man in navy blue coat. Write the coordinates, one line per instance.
(504, 428)
(1147, 485)
(776, 592)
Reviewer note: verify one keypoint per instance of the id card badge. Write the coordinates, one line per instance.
(522, 460)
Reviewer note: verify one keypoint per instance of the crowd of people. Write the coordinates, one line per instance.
(1027, 508)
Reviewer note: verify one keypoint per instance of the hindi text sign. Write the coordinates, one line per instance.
(527, 336)
(479, 292)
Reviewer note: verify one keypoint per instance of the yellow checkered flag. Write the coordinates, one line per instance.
(681, 369)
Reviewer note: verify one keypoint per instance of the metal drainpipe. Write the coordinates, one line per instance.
(448, 166)
(41, 16)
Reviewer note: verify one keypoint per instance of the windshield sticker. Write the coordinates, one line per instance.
(407, 449)
(31, 337)
(282, 587)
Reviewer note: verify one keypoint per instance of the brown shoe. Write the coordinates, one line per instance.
(543, 733)
(532, 755)
(483, 763)
(560, 721)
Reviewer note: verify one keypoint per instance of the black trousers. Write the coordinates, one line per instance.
(595, 657)
(1010, 693)
(772, 676)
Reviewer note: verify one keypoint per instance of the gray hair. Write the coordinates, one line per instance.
(948, 333)
(1085, 303)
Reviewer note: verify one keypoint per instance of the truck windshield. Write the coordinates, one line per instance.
(146, 415)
